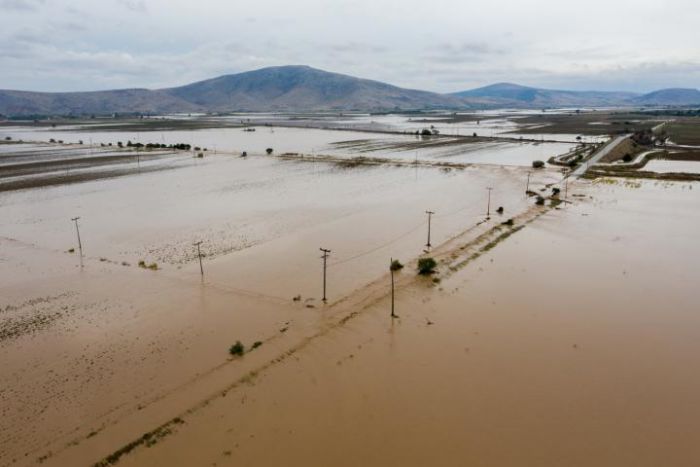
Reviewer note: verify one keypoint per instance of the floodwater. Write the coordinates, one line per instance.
(113, 346)
(561, 346)
(314, 141)
(557, 344)
(666, 166)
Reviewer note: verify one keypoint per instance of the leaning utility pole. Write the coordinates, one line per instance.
(325, 260)
(80, 244)
(488, 205)
(430, 215)
(199, 255)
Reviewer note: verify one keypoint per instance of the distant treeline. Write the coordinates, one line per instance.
(674, 113)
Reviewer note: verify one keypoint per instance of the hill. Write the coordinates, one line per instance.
(302, 88)
(87, 103)
(671, 97)
(509, 94)
(305, 88)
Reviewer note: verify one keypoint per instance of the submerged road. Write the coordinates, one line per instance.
(604, 151)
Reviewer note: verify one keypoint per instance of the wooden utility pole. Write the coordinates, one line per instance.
(326, 253)
(488, 204)
(80, 244)
(199, 255)
(391, 268)
(566, 187)
(527, 186)
(430, 215)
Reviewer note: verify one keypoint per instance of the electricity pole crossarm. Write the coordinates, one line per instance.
(326, 253)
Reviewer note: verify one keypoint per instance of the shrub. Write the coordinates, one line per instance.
(237, 349)
(256, 344)
(540, 201)
(426, 132)
(8, 138)
(244, 154)
(537, 164)
(268, 151)
(396, 265)
(627, 158)
(426, 266)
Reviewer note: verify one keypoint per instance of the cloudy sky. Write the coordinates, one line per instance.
(437, 45)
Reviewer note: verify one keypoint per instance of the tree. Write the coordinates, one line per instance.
(426, 266)
(268, 151)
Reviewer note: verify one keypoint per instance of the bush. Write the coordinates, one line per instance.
(537, 164)
(426, 266)
(268, 151)
(426, 132)
(8, 138)
(627, 158)
(396, 265)
(237, 349)
(256, 344)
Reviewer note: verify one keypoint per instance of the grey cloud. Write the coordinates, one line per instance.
(133, 5)
(20, 5)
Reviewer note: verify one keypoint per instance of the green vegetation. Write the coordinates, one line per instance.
(426, 266)
(152, 266)
(237, 349)
(268, 151)
(537, 164)
(396, 265)
(256, 344)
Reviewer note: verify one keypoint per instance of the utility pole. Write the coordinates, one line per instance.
(527, 187)
(199, 255)
(80, 244)
(325, 260)
(391, 268)
(488, 204)
(430, 215)
(566, 187)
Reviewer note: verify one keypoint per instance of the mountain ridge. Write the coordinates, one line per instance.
(303, 88)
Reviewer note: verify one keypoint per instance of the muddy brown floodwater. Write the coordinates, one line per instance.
(572, 343)
(567, 338)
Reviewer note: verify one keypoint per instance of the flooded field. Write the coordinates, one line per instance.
(542, 323)
(665, 166)
(562, 346)
(312, 141)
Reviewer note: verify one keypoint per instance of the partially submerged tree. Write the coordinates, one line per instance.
(426, 266)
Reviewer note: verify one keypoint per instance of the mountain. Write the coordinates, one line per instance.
(291, 88)
(672, 96)
(305, 88)
(302, 88)
(509, 94)
(86, 103)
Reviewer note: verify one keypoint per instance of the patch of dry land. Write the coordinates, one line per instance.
(563, 334)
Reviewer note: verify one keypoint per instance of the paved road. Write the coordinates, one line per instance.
(604, 151)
